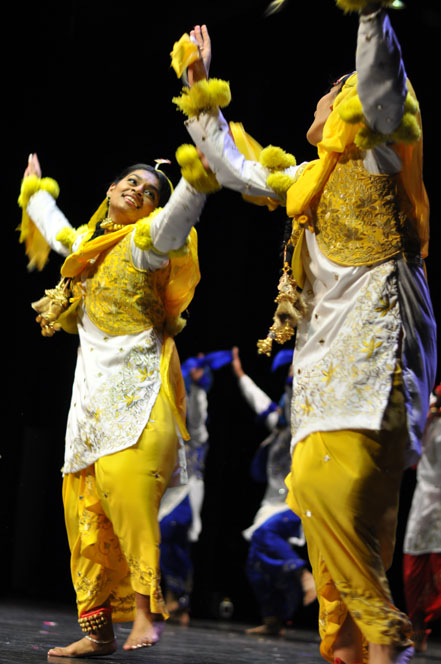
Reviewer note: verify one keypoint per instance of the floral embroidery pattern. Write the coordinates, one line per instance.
(350, 385)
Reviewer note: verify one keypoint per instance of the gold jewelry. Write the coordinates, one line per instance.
(51, 306)
(93, 620)
(98, 642)
(290, 309)
(109, 226)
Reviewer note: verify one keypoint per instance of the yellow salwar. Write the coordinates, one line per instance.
(111, 512)
(345, 485)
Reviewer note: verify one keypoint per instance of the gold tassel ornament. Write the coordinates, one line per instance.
(290, 309)
(51, 306)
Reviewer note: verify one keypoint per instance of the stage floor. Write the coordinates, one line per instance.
(27, 631)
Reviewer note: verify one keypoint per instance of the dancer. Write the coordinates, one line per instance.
(180, 511)
(365, 348)
(127, 277)
(279, 577)
(422, 541)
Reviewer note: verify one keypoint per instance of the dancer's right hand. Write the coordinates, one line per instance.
(200, 69)
(33, 167)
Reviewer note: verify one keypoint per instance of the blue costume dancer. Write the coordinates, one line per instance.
(278, 576)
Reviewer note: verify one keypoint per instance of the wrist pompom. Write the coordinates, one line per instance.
(203, 96)
(142, 238)
(31, 184)
(193, 170)
(276, 159)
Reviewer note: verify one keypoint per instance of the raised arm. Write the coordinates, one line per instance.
(169, 228)
(41, 207)
(381, 86)
(211, 134)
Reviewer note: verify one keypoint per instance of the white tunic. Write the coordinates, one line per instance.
(117, 378)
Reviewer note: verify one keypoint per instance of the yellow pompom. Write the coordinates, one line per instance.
(279, 182)
(351, 110)
(67, 236)
(175, 325)
(142, 237)
(366, 139)
(275, 158)
(203, 96)
(31, 184)
(409, 130)
(193, 170)
(186, 154)
(411, 104)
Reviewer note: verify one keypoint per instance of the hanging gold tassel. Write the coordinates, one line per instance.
(290, 309)
(51, 306)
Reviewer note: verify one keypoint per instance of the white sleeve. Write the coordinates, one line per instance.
(210, 132)
(257, 400)
(197, 413)
(171, 226)
(49, 219)
(381, 85)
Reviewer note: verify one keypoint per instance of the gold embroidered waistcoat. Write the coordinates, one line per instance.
(122, 299)
(360, 218)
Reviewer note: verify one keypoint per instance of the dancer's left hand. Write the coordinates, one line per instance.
(200, 69)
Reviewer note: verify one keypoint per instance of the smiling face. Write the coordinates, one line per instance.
(324, 107)
(133, 197)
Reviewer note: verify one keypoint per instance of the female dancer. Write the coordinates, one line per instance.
(365, 360)
(129, 274)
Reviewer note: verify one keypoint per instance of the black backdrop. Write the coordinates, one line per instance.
(88, 86)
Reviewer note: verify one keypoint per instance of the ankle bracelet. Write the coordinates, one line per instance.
(98, 642)
(93, 620)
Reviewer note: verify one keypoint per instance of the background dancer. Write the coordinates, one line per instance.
(422, 541)
(278, 575)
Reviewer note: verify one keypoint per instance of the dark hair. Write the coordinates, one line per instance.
(164, 185)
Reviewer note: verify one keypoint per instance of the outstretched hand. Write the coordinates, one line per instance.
(33, 167)
(236, 363)
(200, 69)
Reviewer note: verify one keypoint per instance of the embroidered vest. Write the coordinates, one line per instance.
(122, 299)
(360, 218)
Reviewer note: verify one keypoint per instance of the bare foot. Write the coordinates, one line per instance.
(145, 632)
(83, 648)
(271, 627)
(308, 587)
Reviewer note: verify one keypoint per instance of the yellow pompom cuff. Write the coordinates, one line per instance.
(143, 239)
(31, 184)
(409, 130)
(358, 5)
(277, 161)
(68, 235)
(37, 249)
(203, 96)
(193, 170)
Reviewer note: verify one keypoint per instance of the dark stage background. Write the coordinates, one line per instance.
(88, 86)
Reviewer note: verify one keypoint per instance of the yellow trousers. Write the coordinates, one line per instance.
(345, 486)
(111, 513)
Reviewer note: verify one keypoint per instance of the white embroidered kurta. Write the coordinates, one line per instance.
(348, 343)
(117, 378)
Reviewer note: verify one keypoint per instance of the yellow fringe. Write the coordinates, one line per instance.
(203, 96)
(193, 170)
